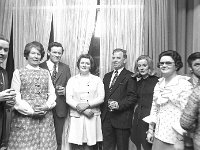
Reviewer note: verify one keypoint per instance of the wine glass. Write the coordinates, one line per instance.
(109, 102)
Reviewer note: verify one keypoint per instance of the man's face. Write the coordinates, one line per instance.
(4, 49)
(55, 54)
(118, 60)
(196, 67)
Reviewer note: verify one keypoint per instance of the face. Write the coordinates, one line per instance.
(167, 66)
(34, 57)
(84, 66)
(55, 54)
(196, 67)
(118, 60)
(4, 49)
(143, 67)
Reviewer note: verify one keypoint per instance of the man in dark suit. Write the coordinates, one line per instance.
(7, 96)
(60, 73)
(118, 106)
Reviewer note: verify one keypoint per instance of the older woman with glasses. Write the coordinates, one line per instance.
(170, 97)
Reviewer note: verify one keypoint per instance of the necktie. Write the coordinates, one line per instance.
(53, 76)
(114, 79)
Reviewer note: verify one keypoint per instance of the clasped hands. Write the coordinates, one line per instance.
(40, 110)
(84, 109)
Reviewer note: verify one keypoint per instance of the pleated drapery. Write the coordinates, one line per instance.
(74, 22)
(122, 27)
(31, 22)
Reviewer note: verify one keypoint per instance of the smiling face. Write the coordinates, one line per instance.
(84, 66)
(34, 57)
(196, 67)
(118, 60)
(143, 67)
(55, 54)
(4, 49)
(167, 66)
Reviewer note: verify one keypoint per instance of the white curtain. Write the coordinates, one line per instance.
(122, 27)
(5, 19)
(74, 22)
(31, 22)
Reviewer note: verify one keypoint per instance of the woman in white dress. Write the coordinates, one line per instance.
(170, 97)
(84, 94)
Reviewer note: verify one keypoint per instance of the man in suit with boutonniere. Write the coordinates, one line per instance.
(117, 109)
(60, 74)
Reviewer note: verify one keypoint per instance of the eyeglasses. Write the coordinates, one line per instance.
(168, 63)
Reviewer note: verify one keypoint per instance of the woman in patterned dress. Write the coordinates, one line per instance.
(32, 126)
(169, 99)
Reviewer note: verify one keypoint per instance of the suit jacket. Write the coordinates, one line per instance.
(124, 92)
(62, 77)
(2, 104)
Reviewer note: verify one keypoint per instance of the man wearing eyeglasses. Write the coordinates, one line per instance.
(7, 96)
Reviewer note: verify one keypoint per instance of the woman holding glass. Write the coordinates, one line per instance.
(84, 94)
(32, 126)
(170, 97)
(146, 81)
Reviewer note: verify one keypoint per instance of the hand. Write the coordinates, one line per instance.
(60, 90)
(8, 94)
(39, 108)
(113, 105)
(39, 113)
(81, 107)
(88, 113)
(11, 102)
(150, 136)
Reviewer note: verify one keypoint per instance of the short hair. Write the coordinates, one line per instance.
(2, 37)
(92, 63)
(192, 58)
(149, 62)
(120, 50)
(55, 44)
(175, 56)
(36, 45)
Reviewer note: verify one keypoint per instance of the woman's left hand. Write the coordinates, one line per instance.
(41, 108)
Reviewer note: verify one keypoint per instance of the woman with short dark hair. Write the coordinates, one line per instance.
(32, 126)
(170, 97)
(85, 93)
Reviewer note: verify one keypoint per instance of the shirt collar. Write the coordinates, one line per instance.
(119, 70)
(31, 67)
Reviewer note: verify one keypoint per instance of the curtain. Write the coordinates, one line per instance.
(31, 22)
(74, 22)
(172, 24)
(122, 27)
(5, 19)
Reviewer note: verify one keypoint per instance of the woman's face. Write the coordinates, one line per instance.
(84, 66)
(34, 57)
(143, 67)
(167, 66)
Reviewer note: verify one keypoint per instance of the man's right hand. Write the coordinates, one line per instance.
(7, 95)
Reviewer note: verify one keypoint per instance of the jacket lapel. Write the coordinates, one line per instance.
(60, 71)
(120, 78)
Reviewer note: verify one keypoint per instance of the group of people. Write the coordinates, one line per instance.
(153, 112)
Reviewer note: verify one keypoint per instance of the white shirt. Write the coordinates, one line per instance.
(50, 65)
(21, 105)
(119, 71)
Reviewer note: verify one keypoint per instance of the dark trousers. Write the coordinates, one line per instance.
(114, 137)
(58, 123)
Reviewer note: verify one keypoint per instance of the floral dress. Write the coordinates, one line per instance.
(27, 132)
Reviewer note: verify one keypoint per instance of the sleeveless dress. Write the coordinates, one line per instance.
(33, 133)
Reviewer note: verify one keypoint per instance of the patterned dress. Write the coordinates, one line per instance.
(32, 133)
